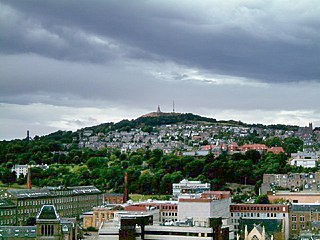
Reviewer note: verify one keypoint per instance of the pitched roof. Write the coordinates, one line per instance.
(48, 212)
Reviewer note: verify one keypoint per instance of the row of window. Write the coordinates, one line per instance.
(56, 200)
(169, 214)
(294, 218)
(7, 221)
(255, 214)
(7, 212)
(255, 208)
(168, 207)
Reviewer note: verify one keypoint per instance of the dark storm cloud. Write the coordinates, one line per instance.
(270, 41)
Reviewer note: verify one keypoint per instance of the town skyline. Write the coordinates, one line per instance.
(67, 65)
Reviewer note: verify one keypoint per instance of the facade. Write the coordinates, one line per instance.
(97, 216)
(273, 217)
(69, 202)
(305, 159)
(189, 187)
(7, 210)
(113, 198)
(295, 197)
(168, 210)
(48, 226)
(200, 209)
(138, 227)
(291, 181)
(23, 169)
(304, 218)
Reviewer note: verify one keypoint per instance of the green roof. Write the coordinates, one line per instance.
(48, 212)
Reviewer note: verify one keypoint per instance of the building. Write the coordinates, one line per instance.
(7, 210)
(48, 226)
(295, 197)
(132, 227)
(168, 210)
(273, 217)
(304, 218)
(189, 187)
(17, 232)
(69, 202)
(291, 181)
(51, 226)
(23, 169)
(276, 150)
(113, 198)
(305, 159)
(98, 215)
(201, 208)
(261, 148)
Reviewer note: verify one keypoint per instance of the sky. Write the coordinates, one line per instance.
(69, 64)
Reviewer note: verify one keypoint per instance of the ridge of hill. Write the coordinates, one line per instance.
(148, 121)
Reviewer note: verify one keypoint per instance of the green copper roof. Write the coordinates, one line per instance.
(48, 212)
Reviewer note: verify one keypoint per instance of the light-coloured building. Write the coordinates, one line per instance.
(189, 187)
(138, 227)
(97, 216)
(295, 197)
(291, 181)
(23, 169)
(201, 208)
(304, 159)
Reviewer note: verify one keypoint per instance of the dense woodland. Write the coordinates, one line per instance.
(149, 172)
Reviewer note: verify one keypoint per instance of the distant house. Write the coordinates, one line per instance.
(304, 159)
(258, 147)
(189, 187)
(276, 150)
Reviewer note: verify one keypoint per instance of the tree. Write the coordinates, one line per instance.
(262, 199)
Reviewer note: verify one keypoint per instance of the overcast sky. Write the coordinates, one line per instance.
(70, 64)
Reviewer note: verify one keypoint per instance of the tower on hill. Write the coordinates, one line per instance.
(158, 110)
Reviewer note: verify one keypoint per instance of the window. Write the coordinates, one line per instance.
(301, 218)
(294, 218)
(294, 226)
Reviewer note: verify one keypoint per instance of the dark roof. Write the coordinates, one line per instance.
(29, 193)
(305, 208)
(4, 203)
(48, 212)
(52, 191)
(14, 232)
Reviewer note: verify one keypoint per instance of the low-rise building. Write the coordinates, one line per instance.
(274, 217)
(203, 207)
(295, 197)
(304, 218)
(291, 181)
(189, 187)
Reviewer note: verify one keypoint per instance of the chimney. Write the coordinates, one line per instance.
(29, 184)
(126, 192)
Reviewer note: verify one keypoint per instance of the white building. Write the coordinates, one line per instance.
(304, 159)
(202, 207)
(189, 187)
(23, 169)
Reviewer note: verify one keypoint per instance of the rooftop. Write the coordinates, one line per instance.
(48, 212)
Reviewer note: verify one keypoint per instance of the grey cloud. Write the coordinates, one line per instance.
(73, 84)
(272, 41)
